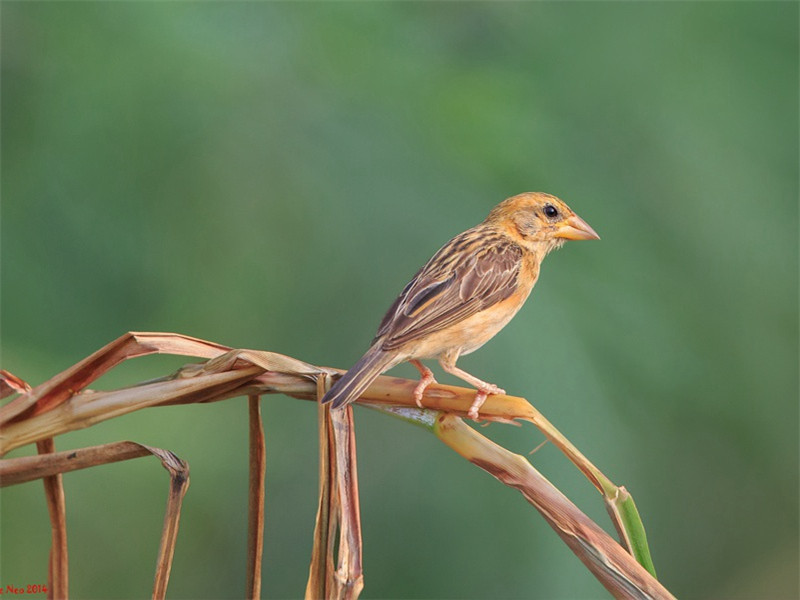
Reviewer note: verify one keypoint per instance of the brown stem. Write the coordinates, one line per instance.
(255, 509)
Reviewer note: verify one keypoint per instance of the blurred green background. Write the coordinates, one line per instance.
(269, 175)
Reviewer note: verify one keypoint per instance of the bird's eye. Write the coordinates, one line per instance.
(550, 211)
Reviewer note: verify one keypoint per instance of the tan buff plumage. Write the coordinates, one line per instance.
(467, 292)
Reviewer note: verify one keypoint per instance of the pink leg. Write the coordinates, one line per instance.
(424, 382)
(484, 389)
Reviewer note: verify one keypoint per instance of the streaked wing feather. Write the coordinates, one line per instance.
(471, 272)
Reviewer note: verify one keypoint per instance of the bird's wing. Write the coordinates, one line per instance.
(470, 273)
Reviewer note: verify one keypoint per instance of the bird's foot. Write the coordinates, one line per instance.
(426, 379)
(480, 398)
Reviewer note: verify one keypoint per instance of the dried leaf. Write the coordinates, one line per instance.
(338, 514)
(57, 389)
(349, 577)
(11, 384)
(89, 408)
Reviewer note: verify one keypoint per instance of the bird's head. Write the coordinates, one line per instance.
(539, 221)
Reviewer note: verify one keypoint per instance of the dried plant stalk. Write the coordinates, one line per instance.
(607, 560)
(453, 400)
(62, 404)
(255, 509)
(28, 468)
(179, 482)
(322, 550)
(58, 567)
(50, 465)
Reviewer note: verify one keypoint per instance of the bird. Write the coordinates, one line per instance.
(464, 295)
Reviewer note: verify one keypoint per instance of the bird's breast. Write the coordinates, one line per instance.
(474, 331)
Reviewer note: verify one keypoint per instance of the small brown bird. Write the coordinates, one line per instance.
(465, 294)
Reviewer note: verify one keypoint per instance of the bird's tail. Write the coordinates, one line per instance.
(353, 383)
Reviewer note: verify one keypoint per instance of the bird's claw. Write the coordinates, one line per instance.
(426, 379)
(480, 398)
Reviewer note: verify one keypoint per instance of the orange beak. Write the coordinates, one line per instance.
(576, 228)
